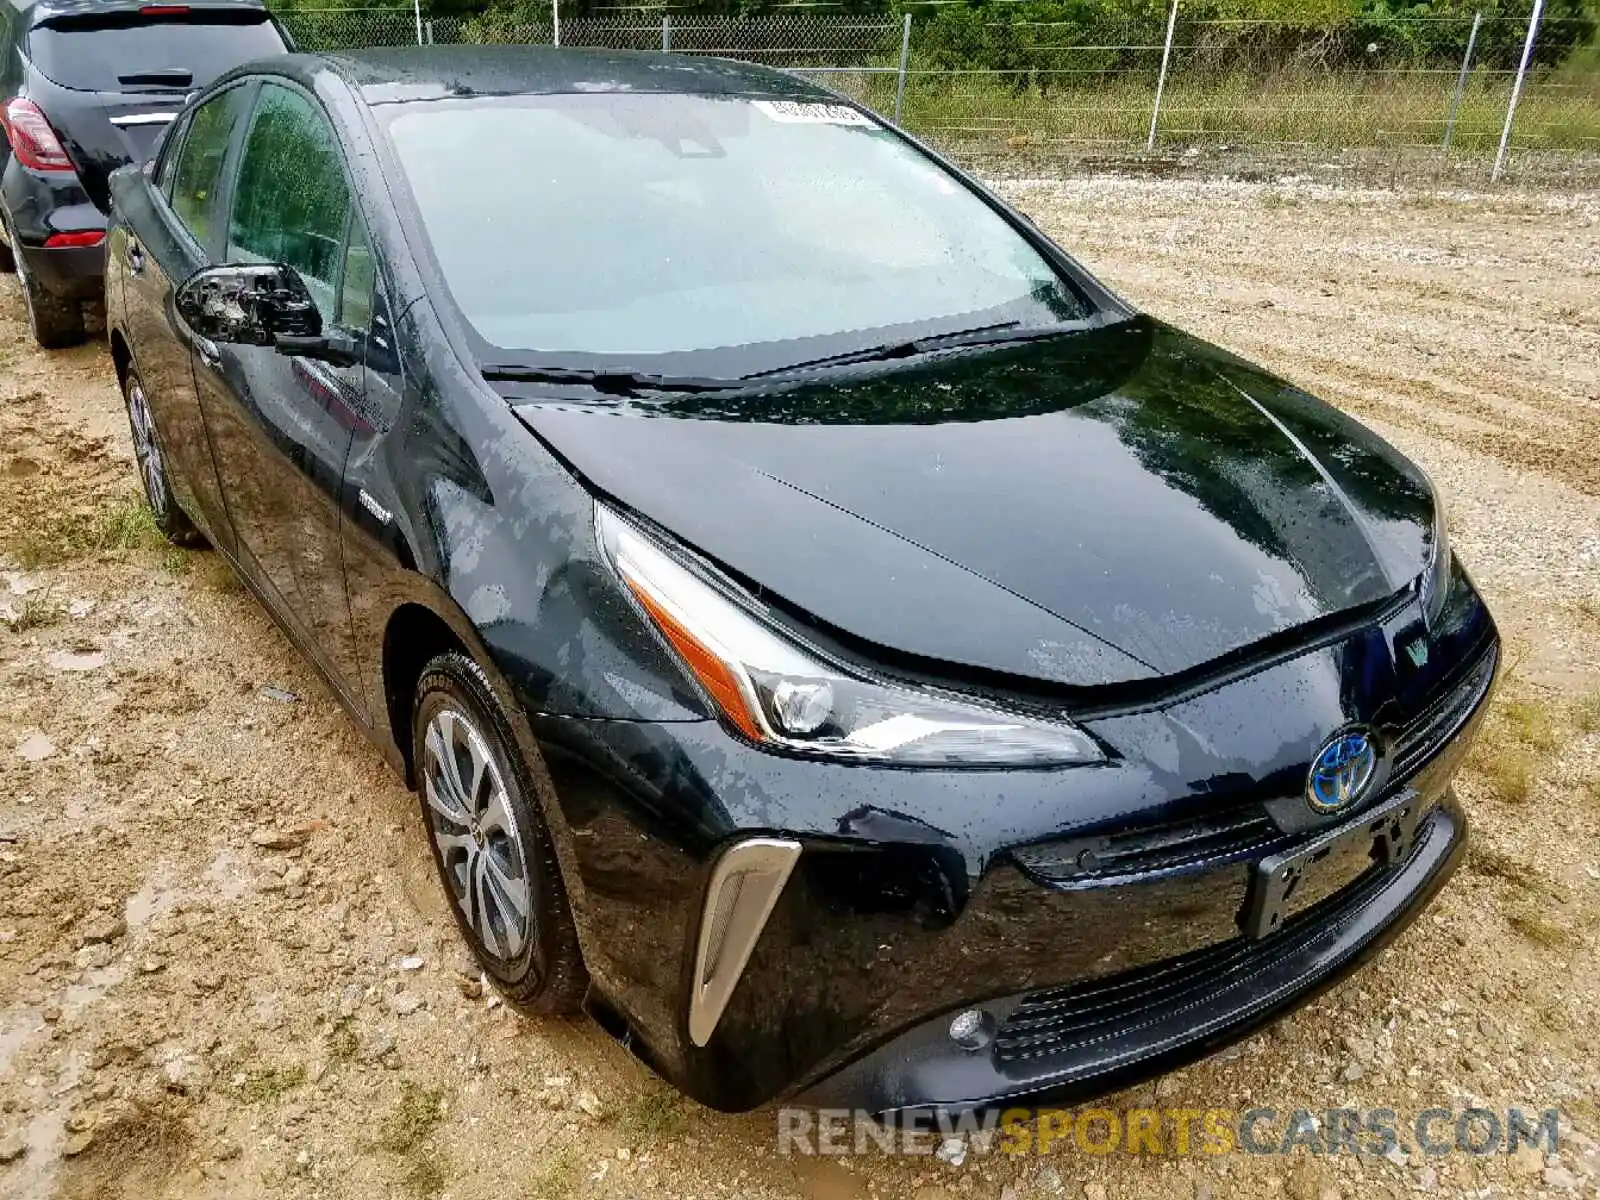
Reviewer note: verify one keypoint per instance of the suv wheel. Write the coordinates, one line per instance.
(170, 519)
(490, 843)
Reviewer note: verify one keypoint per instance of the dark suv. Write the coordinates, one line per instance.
(87, 86)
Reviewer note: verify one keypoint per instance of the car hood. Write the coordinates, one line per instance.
(1102, 507)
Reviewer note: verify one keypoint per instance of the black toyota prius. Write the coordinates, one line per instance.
(834, 639)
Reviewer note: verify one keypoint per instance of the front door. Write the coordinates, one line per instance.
(173, 219)
(281, 425)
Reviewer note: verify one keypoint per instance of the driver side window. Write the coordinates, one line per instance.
(290, 201)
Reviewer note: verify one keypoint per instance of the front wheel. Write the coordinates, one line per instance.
(170, 519)
(490, 843)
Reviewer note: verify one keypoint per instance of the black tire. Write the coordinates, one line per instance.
(8, 259)
(504, 849)
(56, 323)
(170, 518)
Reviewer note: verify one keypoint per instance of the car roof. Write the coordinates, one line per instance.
(399, 74)
(39, 11)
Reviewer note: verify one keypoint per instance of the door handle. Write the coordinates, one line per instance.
(209, 354)
(135, 257)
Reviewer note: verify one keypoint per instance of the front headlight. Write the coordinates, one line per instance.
(778, 694)
(1434, 586)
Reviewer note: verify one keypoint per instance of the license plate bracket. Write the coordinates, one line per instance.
(1390, 830)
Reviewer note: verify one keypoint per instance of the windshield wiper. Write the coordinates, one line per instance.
(982, 335)
(611, 383)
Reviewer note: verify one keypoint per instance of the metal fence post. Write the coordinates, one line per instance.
(416, 7)
(905, 61)
(555, 21)
(1161, 80)
(1461, 79)
(1516, 90)
(666, 31)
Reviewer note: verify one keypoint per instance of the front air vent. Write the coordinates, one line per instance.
(745, 886)
(1195, 844)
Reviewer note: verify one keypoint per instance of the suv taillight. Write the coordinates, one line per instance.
(32, 140)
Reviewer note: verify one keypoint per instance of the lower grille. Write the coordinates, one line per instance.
(1182, 846)
(1068, 1018)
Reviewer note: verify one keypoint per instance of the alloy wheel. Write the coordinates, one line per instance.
(473, 825)
(145, 448)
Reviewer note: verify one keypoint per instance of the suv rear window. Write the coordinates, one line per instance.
(137, 51)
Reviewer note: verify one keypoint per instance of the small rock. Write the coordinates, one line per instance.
(187, 1075)
(952, 1150)
(294, 877)
(405, 1003)
(1361, 1049)
(472, 989)
(36, 747)
(1049, 1181)
(1427, 1180)
(1352, 1072)
(1526, 1161)
(93, 957)
(286, 839)
(76, 660)
(411, 962)
(277, 693)
(50, 1014)
(150, 966)
(1094, 1191)
(1395, 1156)
(77, 1143)
(1559, 1177)
(378, 1046)
(350, 999)
(105, 928)
(589, 1104)
(12, 1147)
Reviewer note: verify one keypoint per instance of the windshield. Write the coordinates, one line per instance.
(134, 51)
(647, 224)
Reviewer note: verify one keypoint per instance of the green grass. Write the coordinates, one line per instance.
(415, 1115)
(654, 1114)
(271, 1083)
(118, 525)
(556, 1178)
(1586, 714)
(36, 611)
(1327, 109)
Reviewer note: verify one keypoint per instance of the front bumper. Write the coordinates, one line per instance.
(1066, 1044)
(1038, 896)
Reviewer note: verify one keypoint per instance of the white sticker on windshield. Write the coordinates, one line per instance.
(795, 112)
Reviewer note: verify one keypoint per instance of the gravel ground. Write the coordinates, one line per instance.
(226, 970)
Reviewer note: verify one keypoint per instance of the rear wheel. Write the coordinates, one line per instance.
(490, 844)
(170, 519)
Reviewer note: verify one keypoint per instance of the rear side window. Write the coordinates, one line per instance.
(197, 177)
(291, 199)
(149, 52)
(169, 157)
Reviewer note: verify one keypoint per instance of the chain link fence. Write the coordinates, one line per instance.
(1400, 96)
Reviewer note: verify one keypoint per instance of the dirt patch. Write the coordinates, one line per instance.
(243, 1016)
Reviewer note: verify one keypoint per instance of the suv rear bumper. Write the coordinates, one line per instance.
(71, 272)
(36, 205)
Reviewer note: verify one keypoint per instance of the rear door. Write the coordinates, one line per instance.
(112, 79)
(175, 219)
